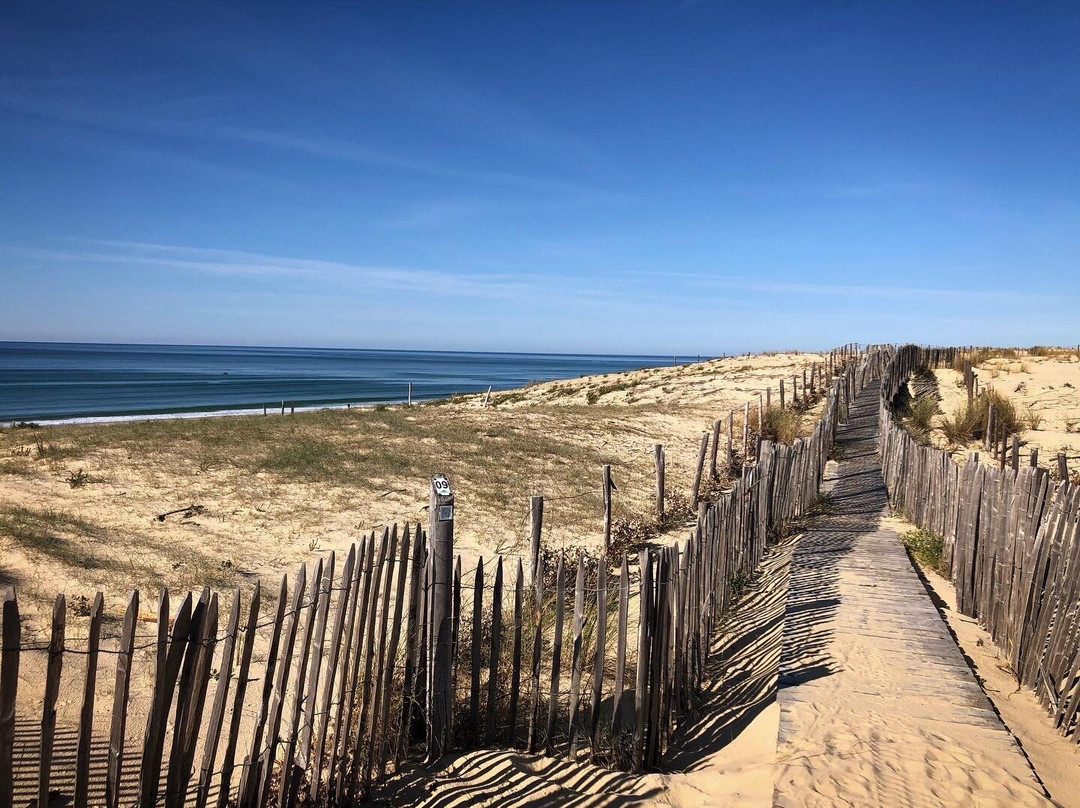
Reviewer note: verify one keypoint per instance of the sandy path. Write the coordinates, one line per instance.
(877, 705)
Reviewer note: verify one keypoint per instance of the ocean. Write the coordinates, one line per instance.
(49, 381)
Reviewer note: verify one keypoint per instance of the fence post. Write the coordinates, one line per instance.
(536, 523)
(441, 533)
(781, 394)
(730, 441)
(1016, 452)
(713, 449)
(658, 456)
(1063, 466)
(695, 491)
(608, 486)
(746, 434)
(9, 684)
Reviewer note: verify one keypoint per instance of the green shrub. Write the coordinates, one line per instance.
(928, 548)
(920, 418)
(1006, 417)
(961, 428)
(968, 421)
(916, 404)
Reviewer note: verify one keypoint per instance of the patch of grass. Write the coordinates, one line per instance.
(920, 418)
(615, 387)
(961, 427)
(61, 537)
(190, 570)
(928, 548)
(594, 394)
(17, 466)
(981, 356)
(306, 458)
(1032, 419)
(826, 504)
(53, 451)
(968, 421)
(740, 582)
(53, 533)
(1006, 417)
(509, 398)
(779, 425)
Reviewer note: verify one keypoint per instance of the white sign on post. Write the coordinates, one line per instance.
(442, 486)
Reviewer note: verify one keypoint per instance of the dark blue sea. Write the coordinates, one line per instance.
(62, 381)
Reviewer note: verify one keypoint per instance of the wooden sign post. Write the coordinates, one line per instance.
(441, 538)
(609, 486)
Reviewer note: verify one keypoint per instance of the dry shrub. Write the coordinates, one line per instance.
(630, 534)
(919, 421)
(916, 404)
(968, 421)
(1006, 417)
(961, 427)
(1032, 419)
(780, 425)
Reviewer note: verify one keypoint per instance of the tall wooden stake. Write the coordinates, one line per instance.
(441, 537)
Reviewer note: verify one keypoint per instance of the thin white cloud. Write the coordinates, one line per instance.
(26, 99)
(355, 152)
(215, 261)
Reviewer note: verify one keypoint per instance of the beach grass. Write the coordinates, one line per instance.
(276, 490)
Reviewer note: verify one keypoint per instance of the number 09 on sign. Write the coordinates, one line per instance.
(441, 485)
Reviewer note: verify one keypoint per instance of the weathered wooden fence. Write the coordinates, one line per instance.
(1012, 543)
(311, 694)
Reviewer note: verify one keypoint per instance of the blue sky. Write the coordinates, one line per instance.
(612, 177)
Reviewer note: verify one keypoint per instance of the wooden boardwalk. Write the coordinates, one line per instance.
(877, 704)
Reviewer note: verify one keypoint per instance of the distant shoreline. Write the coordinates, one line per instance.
(69, 383)
(190, 414)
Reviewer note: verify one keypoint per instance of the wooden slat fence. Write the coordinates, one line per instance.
(313, 693)
(1011, 537)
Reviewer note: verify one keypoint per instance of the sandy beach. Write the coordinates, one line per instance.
(276, 491)
(1045, 391)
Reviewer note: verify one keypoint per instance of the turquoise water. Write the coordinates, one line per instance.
(44, 381)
